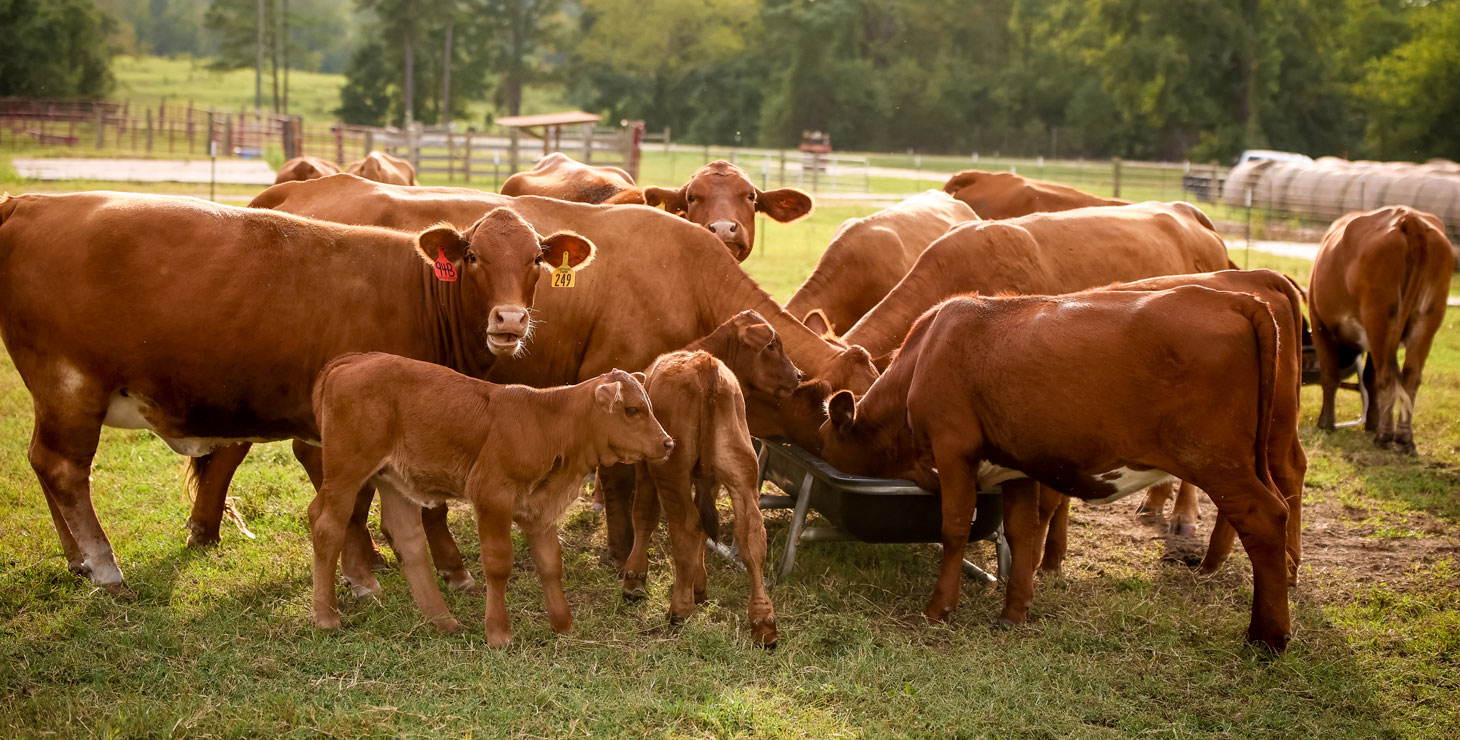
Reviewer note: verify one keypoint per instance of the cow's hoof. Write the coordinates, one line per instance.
(119, 590)
(326, 621)
(701, 597)
(763, 633)
(676, 620)
(80, 569)
(201, 536)
(634, 595)
(937, 614)
(461, 581)
(1276, 643)
(1183, 530)
(447, 626)
(1144, 510)
(1004, 624)
(364, 591)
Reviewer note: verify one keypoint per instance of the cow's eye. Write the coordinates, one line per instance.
(751, 196)
(537, 261)
(689, 199)
(631, 411)
(471, 257)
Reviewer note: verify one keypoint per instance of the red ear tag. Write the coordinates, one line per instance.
(444, 269)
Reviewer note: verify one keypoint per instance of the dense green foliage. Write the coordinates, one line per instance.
(54, 49)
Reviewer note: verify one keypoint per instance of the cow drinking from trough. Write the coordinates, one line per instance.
(722, 198)
(1380, 280)
(1074, 393)
(207, 324)
(424, 434)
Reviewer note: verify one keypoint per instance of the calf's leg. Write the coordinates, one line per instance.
(1325, 346)
(1184, 513)
(547, 557)
(960, 496)
(1416, 350)
(208, 477)
(686, 538)
(737, 470)
(329, 516)
(1054, 525)
(646, 520)
(493, 504)
(403, 517)
(1021, 524)
(617, 483)
(358, 556)
(1156, 497)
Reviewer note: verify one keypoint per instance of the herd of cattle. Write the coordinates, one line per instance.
(1002, 331)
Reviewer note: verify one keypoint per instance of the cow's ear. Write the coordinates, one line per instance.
(577, 249)
(817, 322)
(609, 395)
(842, 408)
(784, 205)
(672, 200)
(442, 241)
(642, 378)
(756, 335)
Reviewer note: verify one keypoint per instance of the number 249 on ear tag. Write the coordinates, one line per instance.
(563, 275)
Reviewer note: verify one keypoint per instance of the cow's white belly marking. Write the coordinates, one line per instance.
(1127, 481)
(130, 412)
(1349, 328)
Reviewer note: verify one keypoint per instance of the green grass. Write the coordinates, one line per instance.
(148, 80)
(217, 642)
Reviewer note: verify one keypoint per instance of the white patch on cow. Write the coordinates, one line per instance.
(1350, 329)
(126, 412)
(990, 475)
(130, 412)
(1127, 481)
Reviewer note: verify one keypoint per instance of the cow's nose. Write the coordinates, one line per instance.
(668, 445)
(507, 317)
(723, 229)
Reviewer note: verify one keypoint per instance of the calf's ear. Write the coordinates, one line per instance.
(672, 200)
(442, 240)
(784, 205)
(577, 249)
(842, 408)
(642, 378)
(609, 395)
(756, 335)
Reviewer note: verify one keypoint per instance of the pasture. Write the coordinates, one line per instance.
(1128, 641)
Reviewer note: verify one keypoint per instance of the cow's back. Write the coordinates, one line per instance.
(350, 199)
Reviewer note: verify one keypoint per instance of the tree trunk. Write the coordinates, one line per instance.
(446, 78)
(410, 102)
(274, 54)
(284, 47)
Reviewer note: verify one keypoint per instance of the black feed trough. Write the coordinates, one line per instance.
(877, 510)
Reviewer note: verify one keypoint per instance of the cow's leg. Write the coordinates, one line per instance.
(1416, 350)
(493, 508)
(1156, 497)
(444, 551)
(208, 477)
(1219, 547)
(1054, 525)
(329, 517)
(547, 557)
(1021, 522)
(1288, 470)
(1184, 513)
(705, 486)
(1370, 396)
(1325, 346)
(1260, 518)
(646, 520)
(403, 517)
(1386, 379)
(62, 446)
(960, 496)
(617, 482)
(737, 470)
(358, 556)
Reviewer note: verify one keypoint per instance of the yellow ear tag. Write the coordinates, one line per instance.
(563, 275)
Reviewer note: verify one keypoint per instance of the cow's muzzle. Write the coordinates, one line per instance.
(507, 328)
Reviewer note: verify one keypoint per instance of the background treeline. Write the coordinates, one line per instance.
(1163, 79)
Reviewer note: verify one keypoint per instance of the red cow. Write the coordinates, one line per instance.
(723, 199)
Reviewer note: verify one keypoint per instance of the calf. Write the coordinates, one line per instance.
(723, 199)
(382, 167)
(1380, 280)
(698, 400)
(1075, 393)
(423, 434)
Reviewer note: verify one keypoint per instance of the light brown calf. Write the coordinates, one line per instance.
(424, 434)
(1380, 280)
(382, 167)
(697, 398)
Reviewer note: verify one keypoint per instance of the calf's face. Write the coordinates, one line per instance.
(498, 263)
(768, 369)
(723, 199)
(624, 421)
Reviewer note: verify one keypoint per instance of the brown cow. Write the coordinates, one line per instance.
(869, 255)
(559, 176)
(1045, 253)
(998, 195)
(1380, 280)
(658, 283)
(1287, 462)
(1076, 393)
(697, 396)
(306, 168)
(722, 198)
(349, 199)
(423, 434)
(207, 324)
(386, 168)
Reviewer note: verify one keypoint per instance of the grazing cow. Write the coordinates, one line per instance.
(207, 324)
(697, 397)
(382, 167)
(1380, 280)
(423, 434)
(869, 255)
(349, 199)
(1045, 254)
(1286, 459)
(1077, 393)
(559, 176)
(306, 168)
(658, 283)
(999, 195)
(723, 199)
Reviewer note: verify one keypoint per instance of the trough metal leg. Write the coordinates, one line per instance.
(798, 520)
(1005, 558)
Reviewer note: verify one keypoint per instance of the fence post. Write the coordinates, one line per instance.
(369, 145)
(100, 127)
(512, 154)
(340, 142)
(450, 156)
(149, 129)
(782, 183)
(466, 164)
(588, 143)
(1115, 169)
(122, 123)
(227, 133)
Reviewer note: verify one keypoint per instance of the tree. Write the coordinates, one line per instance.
(1410, 94)
(55, 48)
(525, 28)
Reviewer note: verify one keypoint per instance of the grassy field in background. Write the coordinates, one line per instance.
(218, 643)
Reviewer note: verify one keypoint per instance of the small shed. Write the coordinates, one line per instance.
(622, 145)
(548, 126)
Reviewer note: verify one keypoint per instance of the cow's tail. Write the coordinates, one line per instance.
(705, 499)
(1416, 268)
(1264, 331)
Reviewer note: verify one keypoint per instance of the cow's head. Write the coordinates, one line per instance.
(622, 425)
(872, 441)
(800, 417)
(497, 264)
(760, 362)
(723, 199)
